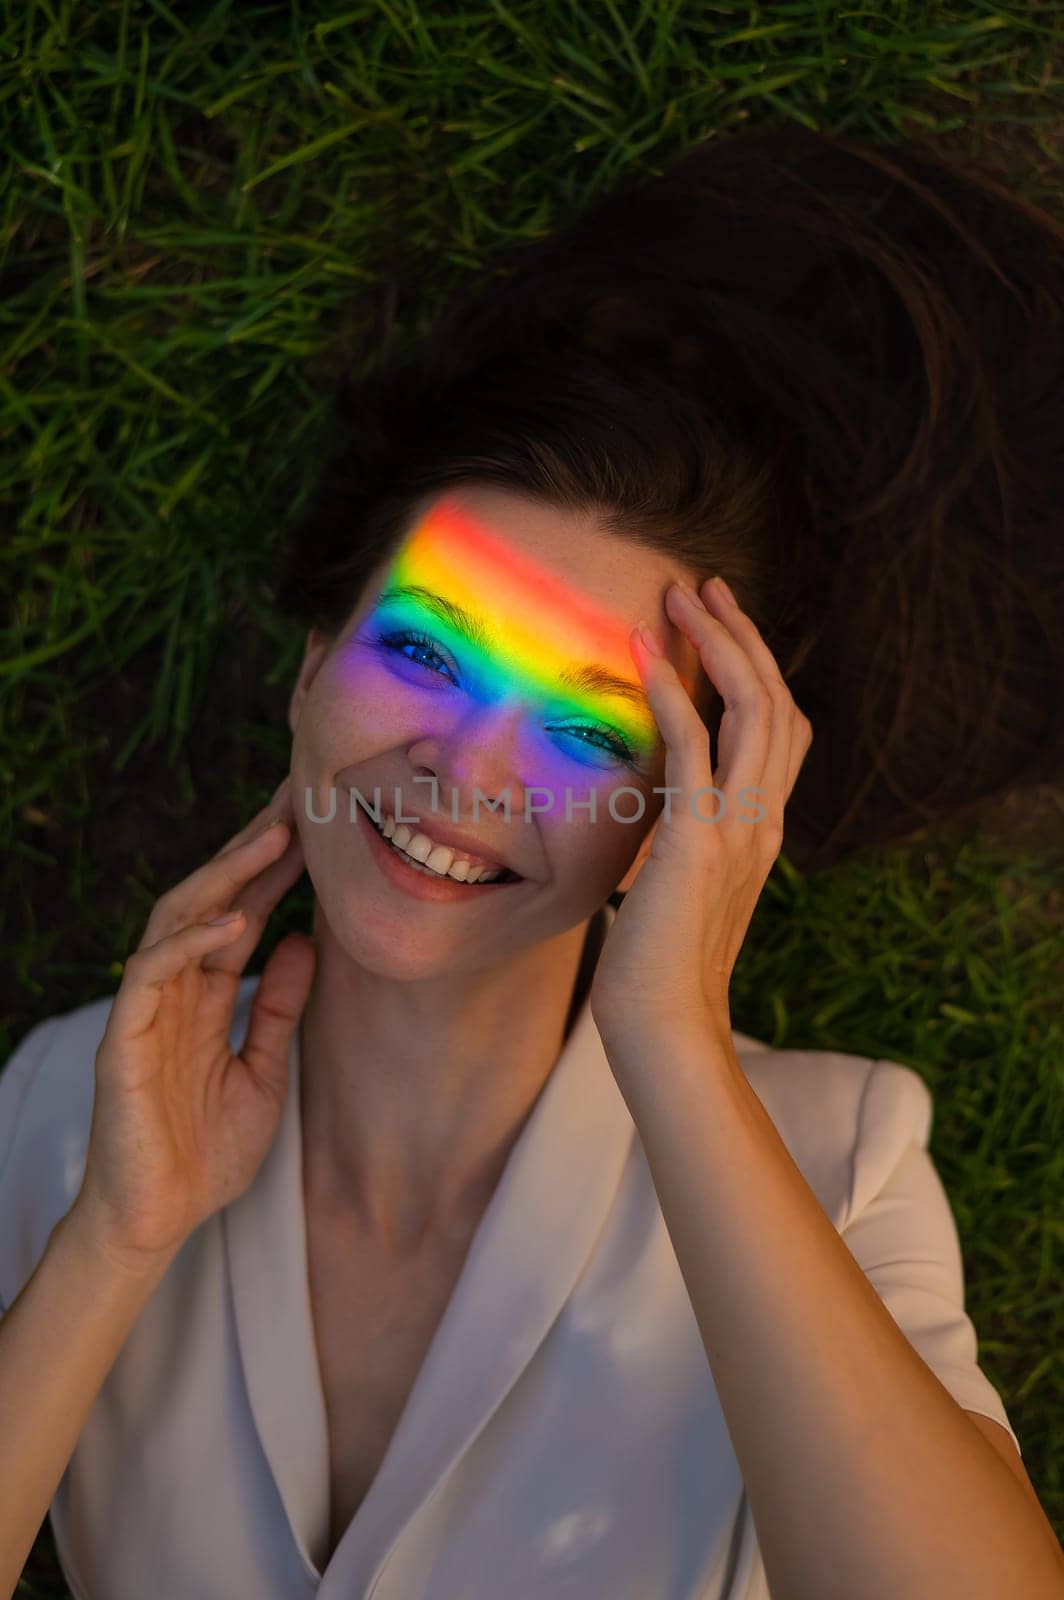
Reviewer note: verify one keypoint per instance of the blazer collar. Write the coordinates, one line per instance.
(527, 1253)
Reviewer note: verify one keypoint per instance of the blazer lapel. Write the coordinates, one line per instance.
(265, 1240)
(526, 1255)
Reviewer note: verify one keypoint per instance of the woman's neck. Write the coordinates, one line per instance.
(412, 1100)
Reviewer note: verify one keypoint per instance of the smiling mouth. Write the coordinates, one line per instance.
(504, 875)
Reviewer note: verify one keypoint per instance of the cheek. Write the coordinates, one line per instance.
(361, 707)
(601, 849)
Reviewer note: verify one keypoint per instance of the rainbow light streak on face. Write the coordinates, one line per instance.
(526, 631)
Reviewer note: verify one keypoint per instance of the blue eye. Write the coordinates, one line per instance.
(397, 642)
(610, 741)
(582, 733)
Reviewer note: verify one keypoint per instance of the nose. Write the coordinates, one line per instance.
(481, 753)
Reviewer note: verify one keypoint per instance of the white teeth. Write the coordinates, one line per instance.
(438, 859)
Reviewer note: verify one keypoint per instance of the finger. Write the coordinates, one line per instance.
(145, 972)
(258, 899)
(743, 626)
(280, 997)
(184, 901)
(746, 727)
(786, 752)
(213, 886)
(190, 900)
(280, 804)
(687, 755)
(801, 741)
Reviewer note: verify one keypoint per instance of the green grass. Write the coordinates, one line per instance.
(199, 202)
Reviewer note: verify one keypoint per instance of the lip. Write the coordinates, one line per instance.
(419, 884)
(463, 843)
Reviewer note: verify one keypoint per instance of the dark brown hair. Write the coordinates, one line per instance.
(830, 372)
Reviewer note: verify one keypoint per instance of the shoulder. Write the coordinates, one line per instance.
(46, 1095)
(46, 1085)
(47, 1089)
(847, 1120)
(859, 1130)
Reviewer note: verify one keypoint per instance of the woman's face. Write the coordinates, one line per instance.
(488, 658)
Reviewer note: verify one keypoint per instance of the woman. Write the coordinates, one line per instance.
(492, 1260)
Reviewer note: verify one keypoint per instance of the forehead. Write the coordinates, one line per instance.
(518, 562)
(528, 573)
(548, 598)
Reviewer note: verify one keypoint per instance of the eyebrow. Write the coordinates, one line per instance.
(585, 676)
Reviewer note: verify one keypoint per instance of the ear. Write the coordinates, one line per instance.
(314, 653)
(640, 856)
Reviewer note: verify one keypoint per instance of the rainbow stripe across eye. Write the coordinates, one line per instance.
(534, 634)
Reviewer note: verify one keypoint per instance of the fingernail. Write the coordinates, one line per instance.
(725, 591)
(650, 640)
(277, 803)
(273, 820)
(690, 595)
(229, 916)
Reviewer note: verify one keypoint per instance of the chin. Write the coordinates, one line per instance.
(392, 942)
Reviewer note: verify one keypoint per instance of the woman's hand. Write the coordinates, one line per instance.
(669, 955)
(181, 1124)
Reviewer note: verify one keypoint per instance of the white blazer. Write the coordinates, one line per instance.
(564, 1436)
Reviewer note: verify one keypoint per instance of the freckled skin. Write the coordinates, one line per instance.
(370, 718)
(518, 629)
